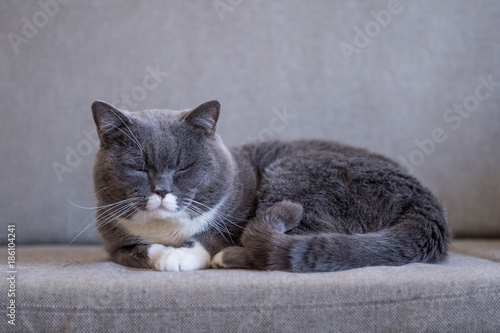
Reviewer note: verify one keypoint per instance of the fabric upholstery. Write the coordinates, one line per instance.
(76, 289)
(482, 248)
(260, 59)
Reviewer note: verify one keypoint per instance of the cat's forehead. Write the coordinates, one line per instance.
(159, 130)
(154, 115)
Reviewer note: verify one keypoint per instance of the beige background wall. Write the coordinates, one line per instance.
(339, 70)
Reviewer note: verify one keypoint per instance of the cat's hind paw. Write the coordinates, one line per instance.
(217, 261)
(232, 257)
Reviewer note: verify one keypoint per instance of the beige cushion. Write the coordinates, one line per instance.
(483, 248)
(77, 289)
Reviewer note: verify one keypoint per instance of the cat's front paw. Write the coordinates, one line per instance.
(170, 259)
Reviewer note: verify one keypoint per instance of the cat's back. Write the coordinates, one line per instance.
(327, 173)
(315, 153)
(360, 191)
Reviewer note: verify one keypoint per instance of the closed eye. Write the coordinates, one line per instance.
(185, 168)
(140, 172)
(138, 169)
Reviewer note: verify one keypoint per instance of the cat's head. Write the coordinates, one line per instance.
(156, 164)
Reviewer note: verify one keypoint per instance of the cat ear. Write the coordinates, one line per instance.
(107, 118)
(205, 117)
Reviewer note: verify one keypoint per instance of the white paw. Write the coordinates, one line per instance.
(171, 259)
(217, 261)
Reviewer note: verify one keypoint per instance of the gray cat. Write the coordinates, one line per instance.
(172, 197)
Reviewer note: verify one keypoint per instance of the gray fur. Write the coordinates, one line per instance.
(298, 206)
(236, 257)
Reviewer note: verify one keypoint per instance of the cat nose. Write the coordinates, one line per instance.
(162, 193)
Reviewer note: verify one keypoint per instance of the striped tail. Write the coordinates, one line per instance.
(415, 237)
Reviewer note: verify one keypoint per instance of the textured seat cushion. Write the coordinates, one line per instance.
(78, 289)
(482, 248)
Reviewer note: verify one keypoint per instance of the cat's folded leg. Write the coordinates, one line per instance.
(232, 257)
(189, 257)
(135, 255)
(282, 216)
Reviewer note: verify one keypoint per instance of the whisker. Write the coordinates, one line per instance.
(133, 138)
(93, 221)
(96, 227)
(96, 207)
(93, 194)
(112, 211)
(215, 223)
(229, 216)
(218, 215)
(132, 133)
(114, 205)
(227, 231)
(111, 215)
